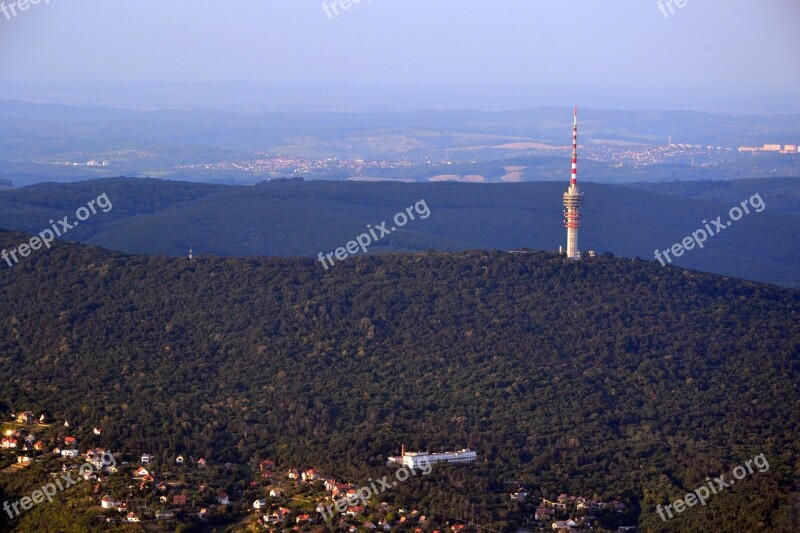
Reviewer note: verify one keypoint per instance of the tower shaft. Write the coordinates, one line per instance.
(573, 198)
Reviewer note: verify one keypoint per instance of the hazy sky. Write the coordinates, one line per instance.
(728, 45)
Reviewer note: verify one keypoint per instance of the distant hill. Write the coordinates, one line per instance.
(784, 193)
(608, 378)
(305, 218)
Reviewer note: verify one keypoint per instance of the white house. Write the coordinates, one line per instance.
(569, 524)
(275, 493)
(108, 503)
(73, 454)
(421, 460)
(260, 504)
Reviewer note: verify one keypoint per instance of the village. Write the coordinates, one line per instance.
(159, 493)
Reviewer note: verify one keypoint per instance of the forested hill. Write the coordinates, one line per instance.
(608, 377)
(305, 218)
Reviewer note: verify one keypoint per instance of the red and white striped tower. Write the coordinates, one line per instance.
(573, 199)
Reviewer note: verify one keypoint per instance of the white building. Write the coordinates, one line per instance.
(260, 504)
(70, 453)
(420, 460)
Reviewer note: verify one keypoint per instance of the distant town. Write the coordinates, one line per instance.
(269, 165)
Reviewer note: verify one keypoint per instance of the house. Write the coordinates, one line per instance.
(141, 472)
(24, 460)
(339, 487)
(107, 502)
(122, 507)
(201, 462)
(544, 513)
(568, 525)
(459, 527)
(293, 474)
(520, 495)
(179, 499)
(302, 518)
(25, 418)
(70, 441)
(309, 475)
(260, 504)
(146, 459)
(132, 517)
(163, 514)
(369, 525)
(179, 460)
(97, 431)
(163, 499)
(354, 511)
(8, 443)
(275, 493)
(162, 487)
(266, 465)
(70, 453)
(38, 446)
(95, 457)
(554, 505)
(223, 499)
(277, 516)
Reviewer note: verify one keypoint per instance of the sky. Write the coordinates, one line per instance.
(734, 50)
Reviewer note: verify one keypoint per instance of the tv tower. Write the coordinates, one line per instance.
(573, 199)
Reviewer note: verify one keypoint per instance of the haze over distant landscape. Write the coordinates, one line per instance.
(377, 90)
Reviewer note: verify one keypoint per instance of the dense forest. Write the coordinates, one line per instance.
(612, 378)
(304, 218)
